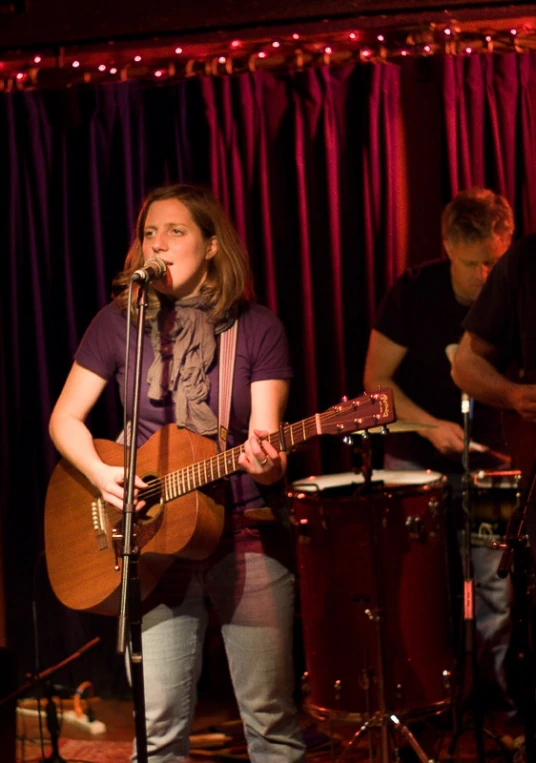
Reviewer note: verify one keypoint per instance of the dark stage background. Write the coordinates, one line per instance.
(335, 176)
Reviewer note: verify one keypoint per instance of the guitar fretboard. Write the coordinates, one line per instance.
(202, 473)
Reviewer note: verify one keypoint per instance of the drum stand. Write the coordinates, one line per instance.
(517, 560)
(387, 723)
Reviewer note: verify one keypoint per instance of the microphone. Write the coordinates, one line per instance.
(467, 403)
(152, 270)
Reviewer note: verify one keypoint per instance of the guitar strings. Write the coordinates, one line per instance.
(156, 487)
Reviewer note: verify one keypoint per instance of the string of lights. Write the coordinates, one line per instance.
(165, 59)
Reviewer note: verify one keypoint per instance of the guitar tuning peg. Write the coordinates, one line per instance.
(344, 399)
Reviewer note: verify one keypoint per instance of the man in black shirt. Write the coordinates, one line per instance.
(420, 317)
(500, 336)
(496, 358)
(418, 325)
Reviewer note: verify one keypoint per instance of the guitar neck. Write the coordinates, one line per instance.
(222, 464)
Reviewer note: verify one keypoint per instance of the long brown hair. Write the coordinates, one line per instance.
(228, 277)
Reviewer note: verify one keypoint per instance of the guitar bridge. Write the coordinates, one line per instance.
(98, 518)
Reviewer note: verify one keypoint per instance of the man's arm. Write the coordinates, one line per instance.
(474, 371)
(383, 359)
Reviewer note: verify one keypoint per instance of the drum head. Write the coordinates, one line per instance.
(346, 482)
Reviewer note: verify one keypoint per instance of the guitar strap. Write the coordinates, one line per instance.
(225, 380)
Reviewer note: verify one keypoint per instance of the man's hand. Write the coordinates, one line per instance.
(523, 400)
(446, 437)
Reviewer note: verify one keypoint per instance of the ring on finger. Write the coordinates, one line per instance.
(264, 462)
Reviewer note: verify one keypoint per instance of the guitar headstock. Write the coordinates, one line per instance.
(372, 409)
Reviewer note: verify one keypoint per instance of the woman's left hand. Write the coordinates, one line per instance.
(261, 459)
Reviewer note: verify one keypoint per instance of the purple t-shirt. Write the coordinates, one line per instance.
(261, 354)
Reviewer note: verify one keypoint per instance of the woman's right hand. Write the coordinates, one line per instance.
(109, 482)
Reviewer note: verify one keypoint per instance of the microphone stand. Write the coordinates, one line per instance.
(130, 592)
(517, 560)
(38, 679)
(470, 653)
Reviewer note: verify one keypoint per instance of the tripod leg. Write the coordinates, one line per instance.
(384, 732)
(359, 733)
(419, 752)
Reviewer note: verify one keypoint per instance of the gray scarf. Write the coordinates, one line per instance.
(184, 344)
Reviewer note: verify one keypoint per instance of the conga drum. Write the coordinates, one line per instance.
(372, 572)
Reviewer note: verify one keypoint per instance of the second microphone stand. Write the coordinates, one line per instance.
(469, 654)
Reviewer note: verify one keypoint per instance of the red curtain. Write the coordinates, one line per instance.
(335, 176)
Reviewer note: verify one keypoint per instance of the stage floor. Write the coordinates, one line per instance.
(326, 741)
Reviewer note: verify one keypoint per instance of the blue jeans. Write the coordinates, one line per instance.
(253, 596)
(493, 602)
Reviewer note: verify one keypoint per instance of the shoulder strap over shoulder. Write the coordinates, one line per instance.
(226, 372)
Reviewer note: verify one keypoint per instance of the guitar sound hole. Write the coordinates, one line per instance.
(153, 501)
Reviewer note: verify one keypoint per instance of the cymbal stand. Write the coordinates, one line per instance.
(361, 455)
(387, 723)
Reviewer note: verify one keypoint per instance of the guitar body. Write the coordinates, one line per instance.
(80, 550)
(183, 514)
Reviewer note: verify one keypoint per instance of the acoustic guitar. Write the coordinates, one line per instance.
(182, 517)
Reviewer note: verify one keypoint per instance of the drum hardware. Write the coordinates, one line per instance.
(386, 722)
(303, 531)
(433, 505)
(361, 457)
(415, 528)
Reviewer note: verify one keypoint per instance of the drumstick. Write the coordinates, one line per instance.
(479, 448)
